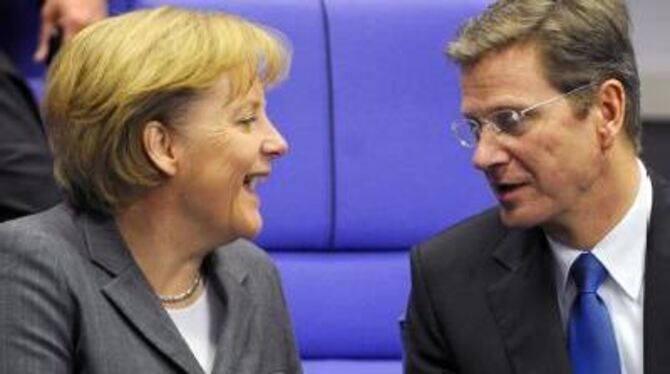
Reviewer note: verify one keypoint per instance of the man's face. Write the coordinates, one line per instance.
(546, 174)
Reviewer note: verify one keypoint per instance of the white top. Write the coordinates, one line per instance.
(199, 325)
(622, 252)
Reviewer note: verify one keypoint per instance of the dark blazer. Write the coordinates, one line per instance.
(27, 184)
(483, 300)
(72, 300)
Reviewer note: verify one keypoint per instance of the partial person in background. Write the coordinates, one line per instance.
(160, 136)
(27, 184)
(26, 166)
(571, 272)
(67, 18)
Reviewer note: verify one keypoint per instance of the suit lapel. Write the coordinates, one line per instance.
(131, 294)
(657, 279)
(228, 284)
(523, 303)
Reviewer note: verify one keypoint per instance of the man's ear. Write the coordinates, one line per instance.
(611, 105)
(159, 144)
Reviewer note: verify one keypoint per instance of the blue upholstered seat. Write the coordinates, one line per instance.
(372, 168)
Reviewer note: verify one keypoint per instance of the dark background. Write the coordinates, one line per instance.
(656, 146)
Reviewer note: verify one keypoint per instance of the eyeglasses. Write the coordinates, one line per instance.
(506, 121)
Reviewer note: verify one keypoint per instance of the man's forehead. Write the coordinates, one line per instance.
(521, 60)
(510, 76)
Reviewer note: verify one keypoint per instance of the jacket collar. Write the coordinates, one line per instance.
(523, 299)
(236, 327)
(657, 282)
(131, 294)
(523, 302)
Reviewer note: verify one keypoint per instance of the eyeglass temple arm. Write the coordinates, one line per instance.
(555, 98)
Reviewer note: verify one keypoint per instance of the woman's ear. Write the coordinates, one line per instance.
(159, 144)
(611, 104)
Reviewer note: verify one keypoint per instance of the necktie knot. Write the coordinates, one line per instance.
(588, 273)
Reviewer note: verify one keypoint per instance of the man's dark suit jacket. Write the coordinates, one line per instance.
(483, 300)
(73, 300)
(26, 176)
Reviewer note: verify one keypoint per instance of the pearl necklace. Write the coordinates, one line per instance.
(171, 299)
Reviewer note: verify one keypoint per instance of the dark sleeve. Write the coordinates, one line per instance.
(36, 310)
(424, 348)
(26, 167)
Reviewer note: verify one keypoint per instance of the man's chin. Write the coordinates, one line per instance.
(517, 217)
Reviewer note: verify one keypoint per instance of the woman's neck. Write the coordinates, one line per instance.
(165, 251)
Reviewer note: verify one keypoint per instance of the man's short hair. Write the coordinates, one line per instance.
(579, 41)
(121, 73)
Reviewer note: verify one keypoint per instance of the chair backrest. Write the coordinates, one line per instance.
(372, 169)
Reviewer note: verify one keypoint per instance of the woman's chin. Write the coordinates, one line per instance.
(249, 227)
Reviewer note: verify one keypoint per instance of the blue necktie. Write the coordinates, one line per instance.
(591, 342)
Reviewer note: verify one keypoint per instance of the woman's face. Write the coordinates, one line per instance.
(224, 151)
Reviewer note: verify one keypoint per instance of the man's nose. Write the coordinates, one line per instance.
(489, 152)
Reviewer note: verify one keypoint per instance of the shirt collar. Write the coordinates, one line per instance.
(622, 250)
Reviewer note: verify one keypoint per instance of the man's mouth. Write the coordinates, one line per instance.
(251, 181)
(504, 190)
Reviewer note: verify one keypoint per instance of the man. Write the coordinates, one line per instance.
(26, 173)
(568, 273)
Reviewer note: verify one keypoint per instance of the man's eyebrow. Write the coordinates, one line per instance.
(493, 109)
(470, 116)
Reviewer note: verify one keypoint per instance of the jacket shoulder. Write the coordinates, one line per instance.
(460, 247)
(41, 232)
(250, 266)
(476, 233)
(244, 256)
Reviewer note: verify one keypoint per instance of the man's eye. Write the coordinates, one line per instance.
(508, 121)
(475, 128)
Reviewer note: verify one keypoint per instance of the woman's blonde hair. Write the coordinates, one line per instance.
(121, 73)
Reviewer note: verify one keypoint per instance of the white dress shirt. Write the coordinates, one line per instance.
(622, 252)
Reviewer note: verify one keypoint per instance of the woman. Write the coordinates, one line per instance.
(158, 124)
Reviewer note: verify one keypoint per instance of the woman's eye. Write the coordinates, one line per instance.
(247, 121)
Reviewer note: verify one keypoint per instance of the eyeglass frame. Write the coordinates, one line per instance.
(519, 115)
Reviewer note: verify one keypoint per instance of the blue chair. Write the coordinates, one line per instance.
(372, 169)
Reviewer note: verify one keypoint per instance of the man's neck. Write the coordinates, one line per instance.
(602, 209)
